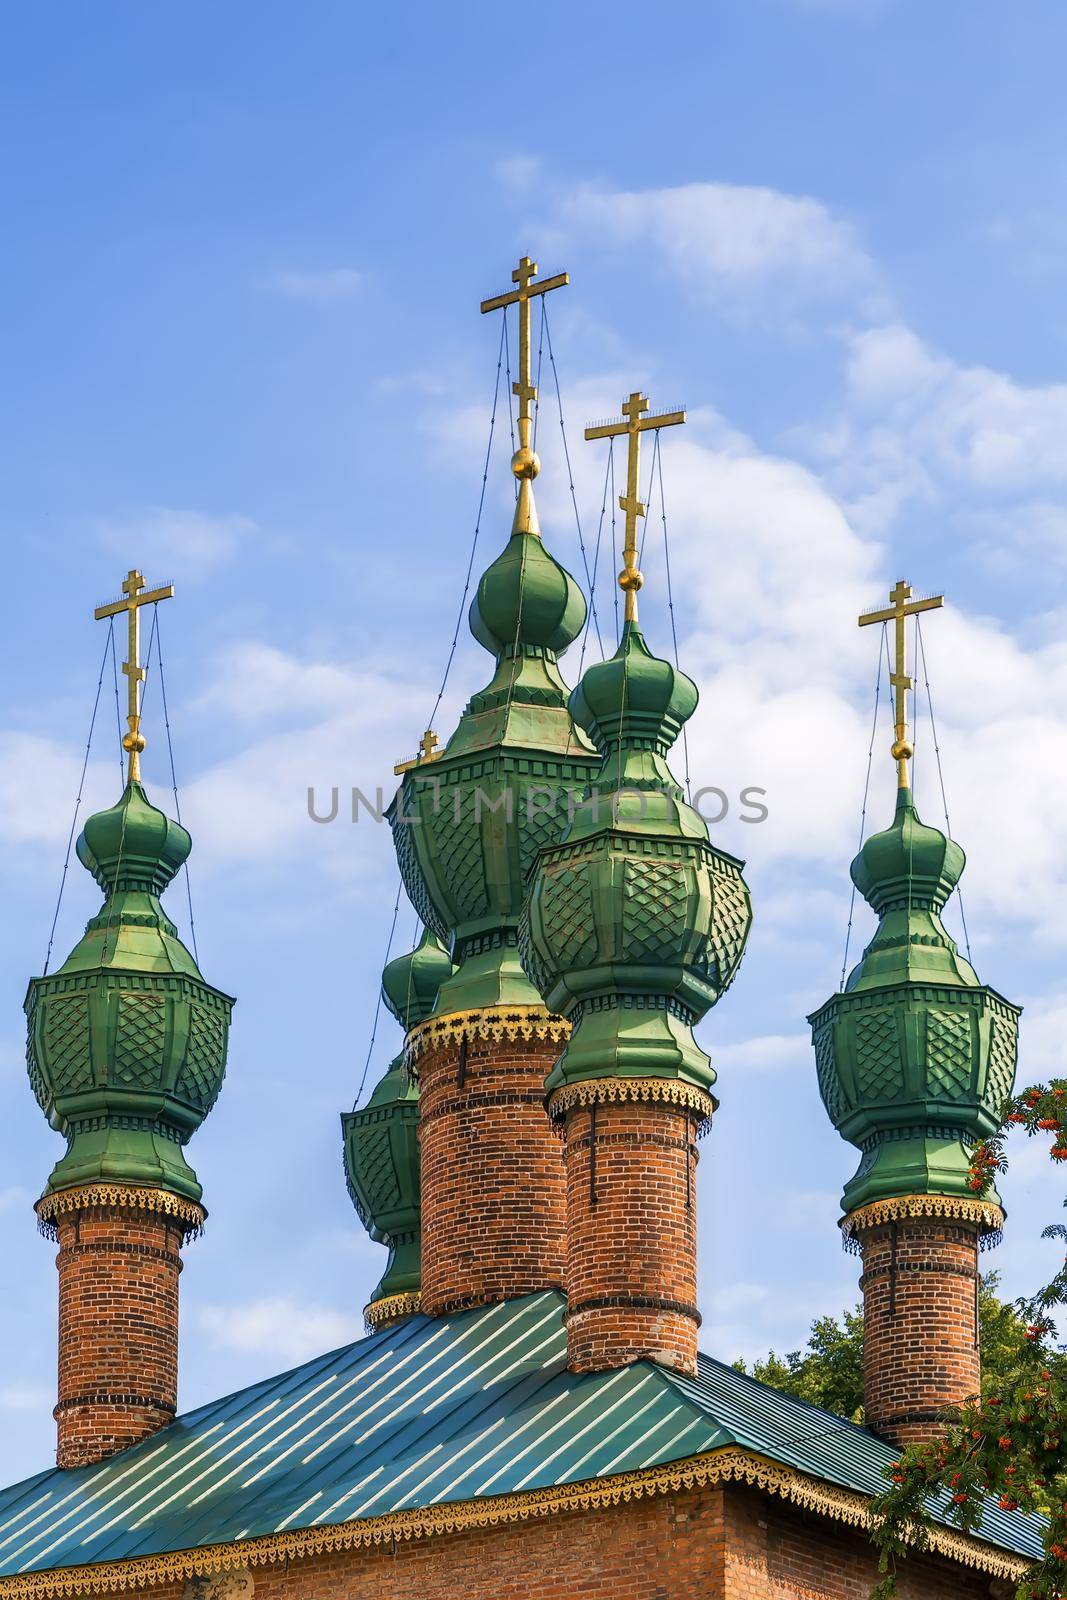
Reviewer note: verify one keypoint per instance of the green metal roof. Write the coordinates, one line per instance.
(424, 1413)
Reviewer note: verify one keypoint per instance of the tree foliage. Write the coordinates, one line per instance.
(1010, 1442)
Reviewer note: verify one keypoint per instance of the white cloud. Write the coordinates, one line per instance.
(255, 681)
(734, 244)
(322, 287)
(765, 1053)
(519, 173)
(354, 725)
(915, 425)
(41, 814)
(279, 1326)
(164, 540)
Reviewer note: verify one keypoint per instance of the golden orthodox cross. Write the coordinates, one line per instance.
(634, 423)
(135, 596)
(902, 608)
(523, 387)
(429, 750)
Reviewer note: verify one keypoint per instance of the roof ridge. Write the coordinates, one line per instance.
(792, 1399)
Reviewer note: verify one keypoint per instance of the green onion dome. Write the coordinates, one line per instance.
(915, 1056)
(525, 597)
(381, 1147)
(908, 863)
(133, 843)
(634, 699)
(127, 1042)
(635, 924)
(410, 983)
(467, 825)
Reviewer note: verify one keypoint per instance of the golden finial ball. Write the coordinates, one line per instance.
(133, 741)
(525, 463)
(630, 578)
(903, 750)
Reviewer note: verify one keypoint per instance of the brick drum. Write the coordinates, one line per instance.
(920, 1345)
(631, 1235)
(491, 1173)
(118, 1329)
(710, 1544)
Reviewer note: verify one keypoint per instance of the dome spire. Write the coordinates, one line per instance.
(135, 595)
(634, 423)
(898, 613)
(524, 463)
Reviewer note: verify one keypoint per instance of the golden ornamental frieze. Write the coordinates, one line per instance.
(487, 1022)
(607, 1091)
(391, 1308)
(128, 1196)
(729, 1465)
(959, 1208)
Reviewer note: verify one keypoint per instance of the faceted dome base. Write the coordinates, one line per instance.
(125, 1155)
(926, 1162)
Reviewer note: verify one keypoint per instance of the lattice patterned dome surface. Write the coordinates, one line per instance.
(126, 1042)
(916, 1056)
(467, 827)
(635, 924)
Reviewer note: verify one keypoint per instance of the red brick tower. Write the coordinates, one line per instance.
(119, 1261)
(126, 1053)
(492, 1179)
(920, 1309)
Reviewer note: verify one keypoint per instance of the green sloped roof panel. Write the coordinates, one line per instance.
(427, 1412)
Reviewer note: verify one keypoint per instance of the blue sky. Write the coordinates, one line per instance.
(244, 252)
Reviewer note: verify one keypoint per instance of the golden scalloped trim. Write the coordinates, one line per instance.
(728, 1465)
(487, 1022)
(607, 1091)
(988, 1216)
(390, 1308)
(132, 1196)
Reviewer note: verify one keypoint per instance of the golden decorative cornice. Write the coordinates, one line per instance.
(960, 1208)
(729, 1465)
(608, 1091)
(488, 1022)
(128, 1196)
(391, 1308)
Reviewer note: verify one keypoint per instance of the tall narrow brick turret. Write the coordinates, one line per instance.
(467, 825)
(127, 1050)
(915, 1058)
(381, 1141)
(635, 926)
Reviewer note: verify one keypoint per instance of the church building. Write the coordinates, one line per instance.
(530, 1413)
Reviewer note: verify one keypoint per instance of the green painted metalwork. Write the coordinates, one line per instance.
(381, 1147)
(468, 825)
(635, 924)
(915, 1057)
(126, 1042)
(426, 1413)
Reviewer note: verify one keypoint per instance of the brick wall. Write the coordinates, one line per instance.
(707, 1544)
(118, 1329)
(920, 1350)
(777, 1552)
(491, 1173)
(631, 1235)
